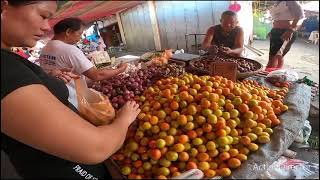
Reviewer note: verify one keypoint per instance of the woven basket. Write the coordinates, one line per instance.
(240, 75)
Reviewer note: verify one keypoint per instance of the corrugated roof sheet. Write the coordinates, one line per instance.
(90, 11)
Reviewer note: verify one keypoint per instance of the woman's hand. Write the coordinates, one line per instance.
(122, 67)
(287, 36)
(64, 74)
(128, 113)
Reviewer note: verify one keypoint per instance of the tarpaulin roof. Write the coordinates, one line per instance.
(90, 11)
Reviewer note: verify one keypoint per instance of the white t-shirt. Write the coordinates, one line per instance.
(57, 55)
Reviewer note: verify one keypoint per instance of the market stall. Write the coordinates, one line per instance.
(215, 113)
(209, 123)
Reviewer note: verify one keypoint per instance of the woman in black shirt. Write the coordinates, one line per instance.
(41, 132)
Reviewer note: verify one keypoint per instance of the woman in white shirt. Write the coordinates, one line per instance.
(287, 18)
(61, 53)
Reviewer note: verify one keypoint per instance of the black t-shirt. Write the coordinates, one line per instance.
(17, 72)
(225, 40)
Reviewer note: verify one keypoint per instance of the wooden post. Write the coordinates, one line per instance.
(154, 24)
(121, 28)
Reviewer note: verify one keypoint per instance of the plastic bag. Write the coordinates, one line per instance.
(305, 132)
(283, 75)
(179, 51)
(191, 174)
(93, 106)
(285, 168)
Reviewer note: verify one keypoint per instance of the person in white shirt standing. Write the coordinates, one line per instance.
(287, 18)
(61, 53)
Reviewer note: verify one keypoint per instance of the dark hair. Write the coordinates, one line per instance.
(69, 23)
(21, 3)
(229, 13)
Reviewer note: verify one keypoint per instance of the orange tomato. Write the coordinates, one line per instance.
(183, 139)
(184, 95)
(225, 91)
(191, 165)
(229, 106)
(174, 105)
(203, 156)
(205, 103)
(206, 128)
(234, 163)
(214, 106)
(221, 132)
(137, 163)
(166, 93)
(183, 156)
(245, 140)
(164, 126)
(154, 120)
(275, 122)
(277, 103)
(243, 108)
(224, 156)
(257, 109)
(218, 91)
(192, 134)
(277, 110)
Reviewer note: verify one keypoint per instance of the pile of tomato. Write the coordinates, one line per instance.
(203, 122)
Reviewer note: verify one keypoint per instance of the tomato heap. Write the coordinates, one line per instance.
(209, 123)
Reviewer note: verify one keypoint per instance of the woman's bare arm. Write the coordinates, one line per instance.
(33, 116)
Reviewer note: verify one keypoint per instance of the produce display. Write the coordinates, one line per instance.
(154, 55)
(243, 65)
(217, 55)
(126, 86)
(283, 77)
(203, 122)
(157, 58)
(131, 68)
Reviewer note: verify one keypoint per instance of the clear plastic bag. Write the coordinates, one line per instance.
(283, 75)
(191, 174)
(285, 168)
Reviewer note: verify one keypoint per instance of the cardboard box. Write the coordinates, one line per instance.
(224, 69)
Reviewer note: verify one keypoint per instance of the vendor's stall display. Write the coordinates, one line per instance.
(131, 68)
(246, 67)
(158, 58)
(203, 122)
(282, 78)
(126, 86)
(185, 57)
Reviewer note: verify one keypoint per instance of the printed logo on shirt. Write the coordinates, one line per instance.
(83, 173)
(47, 59)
